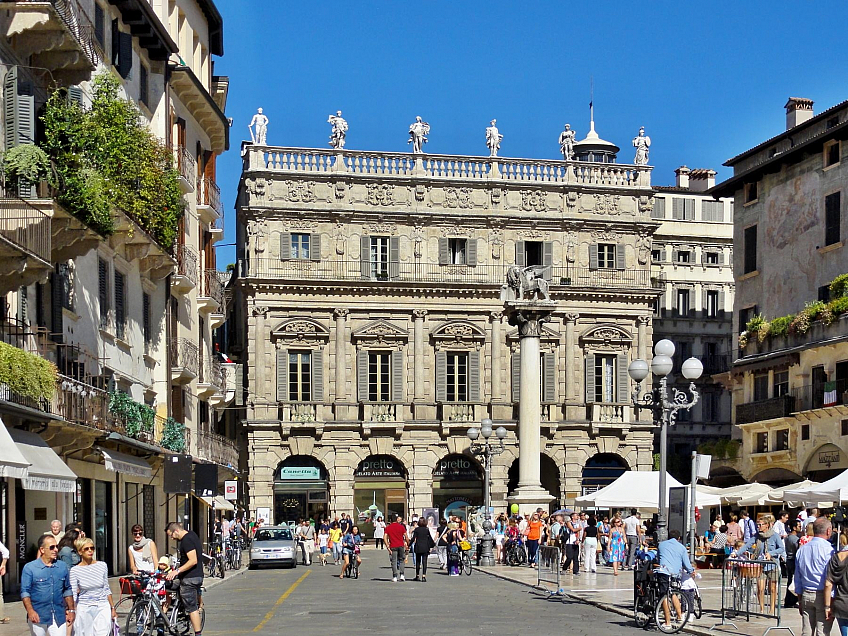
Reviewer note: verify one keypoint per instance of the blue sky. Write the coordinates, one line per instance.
(707, 80)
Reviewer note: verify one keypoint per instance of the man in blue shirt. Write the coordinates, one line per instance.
(811, 562)
(673, 559)
(46, 591)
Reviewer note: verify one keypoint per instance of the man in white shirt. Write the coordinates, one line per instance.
(780, 525)
(633, 532)
(572, 545)
(4, 557)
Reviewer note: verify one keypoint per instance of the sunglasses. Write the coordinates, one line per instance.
(88, 549)
(52, 547)
(138, 534)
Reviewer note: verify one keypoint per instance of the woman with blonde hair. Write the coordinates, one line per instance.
(93, 598)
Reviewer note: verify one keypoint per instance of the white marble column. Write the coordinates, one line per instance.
(571, 380)
(261, 379)
(642, 336)
(496, 317)
(418, 336)
(341, 354)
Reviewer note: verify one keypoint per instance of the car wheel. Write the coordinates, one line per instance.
(251, 566)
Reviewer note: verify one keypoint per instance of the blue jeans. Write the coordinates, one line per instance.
(843, 626)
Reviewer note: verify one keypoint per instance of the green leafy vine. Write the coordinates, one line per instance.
(137, 418)
(173, 436)
(26, 374)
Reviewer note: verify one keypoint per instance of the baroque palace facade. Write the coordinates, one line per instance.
(373, 336)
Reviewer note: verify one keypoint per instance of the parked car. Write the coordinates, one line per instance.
(273, 545)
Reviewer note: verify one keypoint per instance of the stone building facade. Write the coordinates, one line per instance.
(789, 381)
(373, 336)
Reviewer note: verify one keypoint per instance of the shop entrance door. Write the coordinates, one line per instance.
(396, 503)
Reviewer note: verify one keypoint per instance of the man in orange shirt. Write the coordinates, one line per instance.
(534, 534)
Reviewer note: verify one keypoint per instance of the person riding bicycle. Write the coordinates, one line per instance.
(673, 559)
(350, 548)
(190, 571)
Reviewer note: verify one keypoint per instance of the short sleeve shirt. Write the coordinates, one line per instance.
(396, 534)
(189, 542)
(630, 526)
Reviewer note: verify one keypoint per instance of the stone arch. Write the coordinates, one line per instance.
(601, 469)
(826, 461)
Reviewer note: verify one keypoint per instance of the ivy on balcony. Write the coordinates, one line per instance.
(137, 418)
(173, 436)
(107, 157)
(26, 374)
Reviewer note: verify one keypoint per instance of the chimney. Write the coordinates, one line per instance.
(701, 179)
(798, 110)
(682, 177)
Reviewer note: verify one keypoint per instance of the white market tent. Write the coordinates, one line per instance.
(640, 489)
(833, 490)
(753, 494)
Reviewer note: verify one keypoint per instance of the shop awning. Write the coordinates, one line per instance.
(220, 503)
(12, 462)
(47, 471)
(123, 463)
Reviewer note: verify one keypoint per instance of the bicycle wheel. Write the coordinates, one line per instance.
(123, 607)
(642, 608)
(209, 566)
(677, 620)
(696, 611)
(238, 551)
(466, 560)
(141, 619)
(221, 566)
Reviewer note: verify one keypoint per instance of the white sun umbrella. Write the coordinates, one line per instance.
(788, 494)
(639, 489)
(737, 494)
(833, 490)
(755, 495)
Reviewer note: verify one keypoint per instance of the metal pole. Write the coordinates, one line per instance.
(691, 511)
(487, 495)
(487, 552)
(662, 523)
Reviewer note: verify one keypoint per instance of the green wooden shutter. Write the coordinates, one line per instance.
(394, 257)
(547, 258)
(623, 378)
(590, 378)
(365, 256)
(471, 252)
(516, 375)
(362, 375)
(23, 304)
(103, 291)
(474, 376)
(397, 376)
(75, 95)
(57, 284)
(593, 256)
(549, 379)
(19, 110)
(125, 54)
(444, 251)
(239, 385)
(318, 375)
(282, 375)
(619, 256)
(285, 246)
(441, 376)
(519, 253)
(120, 310)
(315, 247)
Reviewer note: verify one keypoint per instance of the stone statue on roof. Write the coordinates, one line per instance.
(642, 143)
(339, 130)
(260, 124)
(418, 132)
(566, 143)
(493, 138)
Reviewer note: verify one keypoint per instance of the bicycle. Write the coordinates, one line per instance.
(237, 550)
(648, 602)
(465, 559)
(352, 568)
(515, 554)
(215, 562)
(131, 589)
(148, 618)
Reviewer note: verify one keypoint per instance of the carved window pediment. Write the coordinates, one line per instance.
(459, 332)
(300, 330)
(607, 335)
(380, 331)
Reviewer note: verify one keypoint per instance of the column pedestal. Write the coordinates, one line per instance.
(529, 316)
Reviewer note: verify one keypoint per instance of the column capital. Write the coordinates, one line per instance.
(572, 318)
(419, 314)
(529, 316)
(259, 311)
(341, 312)
(496, 316)
(644, 321)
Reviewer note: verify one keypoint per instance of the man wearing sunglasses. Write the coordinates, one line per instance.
(46, 591)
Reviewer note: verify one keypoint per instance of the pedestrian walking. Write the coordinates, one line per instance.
(734, 531)
(604, 538)
(307, 536)
(836, 585)
(749, 528)
(452, 537)
(572, 539)
(396, 544)
(46, 591)
(379, 533)
(441, 544)
(766, 545)
(190, 571)
(323, 540)
(534, 535)
(336, 541)
(4, 558)
(500, 528)
(67, 548)
(92, 596)
(422, 543)
(791, 543)
(811, 566)
(617, 545)
(590, 545)
(633, 532)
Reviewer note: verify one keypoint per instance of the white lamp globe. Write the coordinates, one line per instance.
(486, 428)
(638, 370)
(473, 434)
(500, 432)
(661, 365)
(664, 348)
(692, 369)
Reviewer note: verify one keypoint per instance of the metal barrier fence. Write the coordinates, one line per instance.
(548, 570)
(751, 588)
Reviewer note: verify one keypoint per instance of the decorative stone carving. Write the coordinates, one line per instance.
(606, 204)
(420, 314)
(299, 330)
(380, 331)
(258, 128)
(300, 191)
(380, 227)
(380, 194)
(571, 317)
(605, 236)
(610, 336)
(259, 311)
(456, 230)
(533, 200)
(644, 320)
(339, 130)
(642, 143)
(496, 240)
(300, 225)
(566, 143)
(496, 195)
(571, 199)
(418, 132)
(532, 235)
(341, 238)
(643, 248)
(418, 241)
(570, 240)
(257, 187)
(646, 204)
(340, 189)
(341, 312)
(530, 320)
(257, 231)
(458, 198)
(525, 283)
(458, 332)
(493, 138)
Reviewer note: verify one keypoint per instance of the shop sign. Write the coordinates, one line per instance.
(231, 490)
(22, 541)
(456, 469)
(300, 472)
(317, 496)
(379, 467)
(828, 458)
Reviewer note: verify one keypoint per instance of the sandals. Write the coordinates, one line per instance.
(5, 621)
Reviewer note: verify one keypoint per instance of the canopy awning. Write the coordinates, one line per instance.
(220, 503)
(12, 462)
(123, 463)
(640, 490)
(47, 471)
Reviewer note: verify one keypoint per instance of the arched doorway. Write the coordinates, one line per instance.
(301, 489)
(777, 477)
(600, 471)
(380, 489)
(826, 462)
(549, 474)
(457, 484)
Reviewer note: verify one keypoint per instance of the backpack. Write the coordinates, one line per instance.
(564, 534)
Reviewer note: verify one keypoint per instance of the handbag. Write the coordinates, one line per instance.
(116, 631)
(464, 545)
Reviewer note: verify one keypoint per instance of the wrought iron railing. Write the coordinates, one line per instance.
(816, 396)
(79, 24)
(186, 164)
(217, 448)
(212, 287)
(25, 226)
(184, 354)
(187, 262)
(209, 194)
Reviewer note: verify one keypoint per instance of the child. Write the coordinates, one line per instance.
(323, 540)
(159, 583)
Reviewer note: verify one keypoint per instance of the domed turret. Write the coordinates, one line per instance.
(593, 148)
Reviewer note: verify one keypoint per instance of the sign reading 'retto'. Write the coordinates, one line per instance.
(379, 467)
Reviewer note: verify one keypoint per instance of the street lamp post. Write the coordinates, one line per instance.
(665, 403)
(486, 451)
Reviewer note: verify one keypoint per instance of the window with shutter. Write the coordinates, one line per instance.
(519, 253)
(300, 246)
(315, 246)
(547, 258)
(317, 375)
(103, 292)
(444, 251)
(23, 304)
(471, 253)
(457, 251)
(19, 118)
(116, 42)
(623, 388)
(365, 257)
(677, 209)
(457, 376)
(590, 379)
(99, 26)
(516, 375)
(593, 256)
(394, 257)
(285, 246)
(362, 383)
(832, 218)
(142, 85)
(145, 320)
(441, 376)
(549, 378)
(300, 376)
(282, 375)
(750, 247)
(379, 376)
(239, 380)
(658, 211)
(125, 55)
(120, 312)
(689, 209)
(619, 256)
(474, 376)
(397, 376)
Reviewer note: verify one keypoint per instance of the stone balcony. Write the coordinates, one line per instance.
(217, 449)
(184, 360)
(211, 380)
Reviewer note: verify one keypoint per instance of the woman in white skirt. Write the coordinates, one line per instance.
(90, 584)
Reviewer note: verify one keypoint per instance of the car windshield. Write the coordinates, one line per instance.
(281, 534)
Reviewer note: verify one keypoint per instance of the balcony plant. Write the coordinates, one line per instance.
(26, 374)
(106, 157)
(27, 163)
(137, 418)
(173, 436)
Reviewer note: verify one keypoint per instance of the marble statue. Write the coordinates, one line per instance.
(418, 134)
(527, 283)
(493, 138)
(566, 143)
(339, 131)
(641, 142)
(260, 124)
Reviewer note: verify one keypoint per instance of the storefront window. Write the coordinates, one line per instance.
(103, 522)
(301, 490)
(380, 490)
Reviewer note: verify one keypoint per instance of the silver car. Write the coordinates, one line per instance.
(273, 545)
